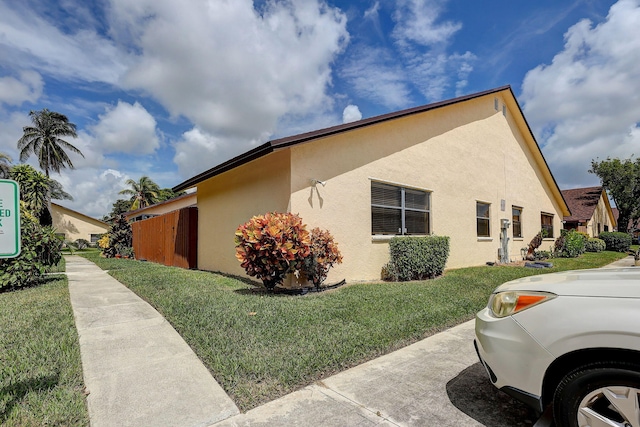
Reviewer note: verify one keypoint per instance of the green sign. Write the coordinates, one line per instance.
(9, 219)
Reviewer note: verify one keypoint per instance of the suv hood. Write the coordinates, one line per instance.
(602, 282)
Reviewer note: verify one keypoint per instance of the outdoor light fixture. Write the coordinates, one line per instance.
(317, 181)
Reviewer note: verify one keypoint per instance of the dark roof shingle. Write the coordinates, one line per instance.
(582, 202)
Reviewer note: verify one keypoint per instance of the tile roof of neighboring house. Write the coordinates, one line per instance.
(582, 202)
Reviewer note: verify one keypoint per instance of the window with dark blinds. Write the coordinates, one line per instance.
(398, 211)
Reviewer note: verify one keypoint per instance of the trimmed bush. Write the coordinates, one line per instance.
(82, 243)
(616, 241)
(41, 249)
(271, 246)
(416, 258)
(595, 245)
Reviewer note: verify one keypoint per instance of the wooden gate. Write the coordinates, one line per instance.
(169, 239)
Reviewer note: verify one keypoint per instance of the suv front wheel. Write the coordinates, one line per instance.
(599, 395)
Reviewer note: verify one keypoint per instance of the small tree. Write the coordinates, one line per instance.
(272, 245)
(323, 255)
(120, 238)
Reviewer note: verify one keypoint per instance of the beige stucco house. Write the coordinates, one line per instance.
(591, 211)
(462, 168)
(75, 225)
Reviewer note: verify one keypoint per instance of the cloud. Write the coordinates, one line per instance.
(232, 70)
(416, 22)
(196, 149)
(26, 88)
(93, 192)
(583, 106)
(34, 43)
(366, 65)
(351, 113)
(126, 128)
(416, 61)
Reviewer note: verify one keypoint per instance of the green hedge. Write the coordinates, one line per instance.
(416, 258)
(616, 241)
(595, 245)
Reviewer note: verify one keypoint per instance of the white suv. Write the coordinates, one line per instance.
(569, 339)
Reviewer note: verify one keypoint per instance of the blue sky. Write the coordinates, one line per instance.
(168, 89)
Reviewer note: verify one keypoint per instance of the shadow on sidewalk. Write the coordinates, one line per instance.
(472, 393)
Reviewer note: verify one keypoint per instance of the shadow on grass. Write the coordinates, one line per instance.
(472, 393)
(49, 277)
(12, 394)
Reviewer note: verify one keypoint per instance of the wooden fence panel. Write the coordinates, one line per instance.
(169, 239)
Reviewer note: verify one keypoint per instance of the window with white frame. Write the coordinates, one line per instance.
(397, 210)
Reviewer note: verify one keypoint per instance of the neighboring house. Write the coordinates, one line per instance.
(184, 201)
(591, 211)
(463, 168)
(75, 225)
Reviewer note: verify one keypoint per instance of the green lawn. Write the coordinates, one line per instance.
(40, 368)
(261, 346)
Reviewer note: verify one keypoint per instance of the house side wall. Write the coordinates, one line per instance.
(462, 154)
(602, 217)
(75, 225)
(231, 199)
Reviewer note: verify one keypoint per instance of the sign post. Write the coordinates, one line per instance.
(9, 219)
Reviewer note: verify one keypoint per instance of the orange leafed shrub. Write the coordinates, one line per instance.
(270, 246)
(324, 254)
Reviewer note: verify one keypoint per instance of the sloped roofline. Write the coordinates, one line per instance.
(165, 202)
(81, 214)
(271, 146)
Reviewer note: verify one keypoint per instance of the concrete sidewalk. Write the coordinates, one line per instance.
(140, 372)
(408, 387)
(137, 370)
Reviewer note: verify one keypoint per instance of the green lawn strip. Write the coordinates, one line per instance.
(261, 346)
(40, 367)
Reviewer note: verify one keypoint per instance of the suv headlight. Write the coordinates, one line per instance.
(503, 304)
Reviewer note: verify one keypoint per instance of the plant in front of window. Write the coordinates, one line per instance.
(272, 245)
(323, 255)
(416, 258)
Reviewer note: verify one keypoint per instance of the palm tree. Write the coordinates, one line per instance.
(5, 165)
(44, 140)
(37, 191)
(143, 192)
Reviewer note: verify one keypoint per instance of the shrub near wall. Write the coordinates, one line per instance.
(616, 241)
(417, 258)
(595, 245)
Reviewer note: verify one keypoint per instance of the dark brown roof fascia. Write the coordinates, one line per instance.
(289, 141)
